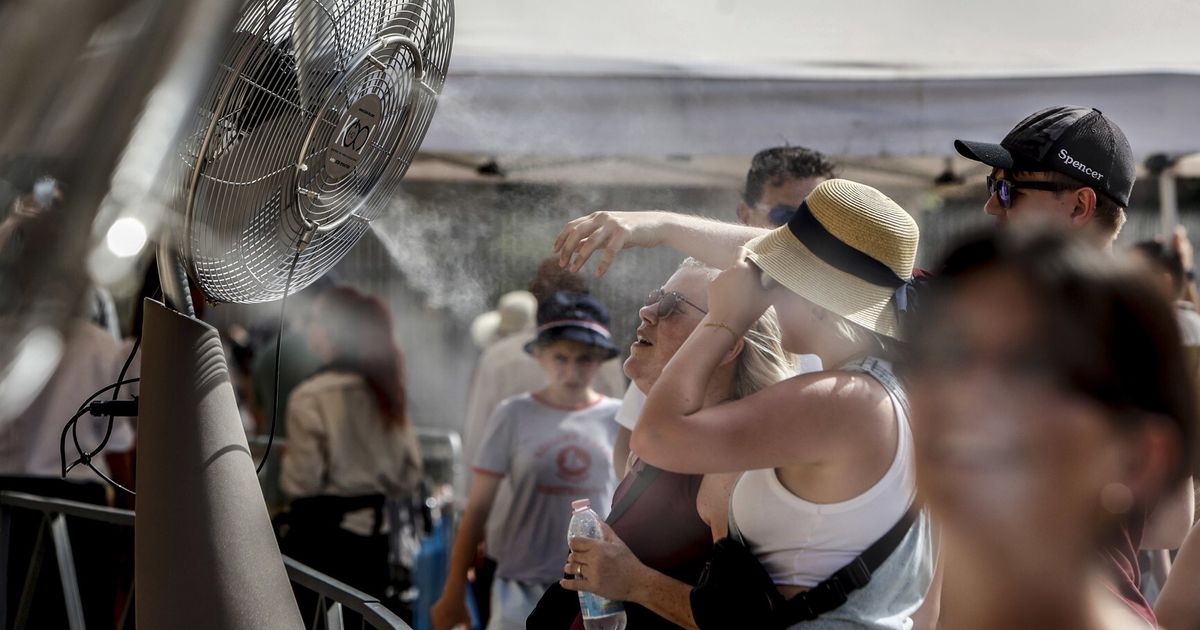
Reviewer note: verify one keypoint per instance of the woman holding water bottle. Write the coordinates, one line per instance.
(553, 446)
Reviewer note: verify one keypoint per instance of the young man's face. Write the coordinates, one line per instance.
(1045, 203)
(788, 194)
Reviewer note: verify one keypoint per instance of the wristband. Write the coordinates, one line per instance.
(724, 326)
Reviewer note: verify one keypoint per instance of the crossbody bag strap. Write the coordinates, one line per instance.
(645, 477)
(835, 590)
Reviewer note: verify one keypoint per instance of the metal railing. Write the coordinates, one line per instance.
(333, 597)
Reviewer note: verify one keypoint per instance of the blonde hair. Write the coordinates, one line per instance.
(763, 360)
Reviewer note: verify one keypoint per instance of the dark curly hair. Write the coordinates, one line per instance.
(777, 165)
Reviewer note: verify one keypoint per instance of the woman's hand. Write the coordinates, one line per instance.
(604, 567)
(610, 231)
(737, 298)
(450, 612)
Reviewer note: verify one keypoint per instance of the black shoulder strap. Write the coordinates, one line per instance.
(836, 589)
(645, 477)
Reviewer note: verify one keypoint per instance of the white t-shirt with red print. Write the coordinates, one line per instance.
(550, 456)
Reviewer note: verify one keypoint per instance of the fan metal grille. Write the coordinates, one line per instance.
(311, 122)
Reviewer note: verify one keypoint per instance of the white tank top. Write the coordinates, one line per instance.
(801, 543)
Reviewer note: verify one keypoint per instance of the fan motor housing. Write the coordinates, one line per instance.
(346, 147)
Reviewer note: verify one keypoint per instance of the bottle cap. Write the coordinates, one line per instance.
(581, 504)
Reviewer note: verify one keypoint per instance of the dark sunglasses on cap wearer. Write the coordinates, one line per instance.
(1004, 188)
(669, 302)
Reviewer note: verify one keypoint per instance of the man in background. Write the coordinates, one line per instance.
(1071, 164)
(778, 180)
(1074, 166)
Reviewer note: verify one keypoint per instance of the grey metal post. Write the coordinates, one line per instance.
(66, 572)
(1168, 200)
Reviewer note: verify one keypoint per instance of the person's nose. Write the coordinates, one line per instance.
(649, 314)
(993, 207)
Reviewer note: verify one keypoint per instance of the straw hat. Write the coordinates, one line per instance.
(514, 312)
(849, 249)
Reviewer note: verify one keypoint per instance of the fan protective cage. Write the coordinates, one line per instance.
(314, 115)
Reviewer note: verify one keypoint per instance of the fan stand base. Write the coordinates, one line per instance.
(205, 552)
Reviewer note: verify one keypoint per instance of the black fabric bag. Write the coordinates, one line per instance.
(311, 532)
(735, 590)
(558, 607)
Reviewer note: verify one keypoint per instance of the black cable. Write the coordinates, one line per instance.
(84, 408)
(287, 285)
(106, 388)
(86, 456)
(62, 442)
(116, 391)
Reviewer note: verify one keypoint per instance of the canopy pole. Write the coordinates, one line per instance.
(1168, 208)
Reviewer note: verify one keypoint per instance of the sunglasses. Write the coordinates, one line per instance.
(1004, 188)
(780, 215)
(669, 302)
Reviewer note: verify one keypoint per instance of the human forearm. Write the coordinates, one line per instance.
(675, 429)
(664, 596)
(462, 555)
(678, 393)
(715, 243)
(712, 242)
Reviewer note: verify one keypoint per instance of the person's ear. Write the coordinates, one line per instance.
(1085, 206)
(743, 212)
(1151, 458)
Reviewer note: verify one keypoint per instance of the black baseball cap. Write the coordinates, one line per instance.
(1080, 142)
(575, 317)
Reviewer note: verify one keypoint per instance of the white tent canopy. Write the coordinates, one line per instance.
(856, 77)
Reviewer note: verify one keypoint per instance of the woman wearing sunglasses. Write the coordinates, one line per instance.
(830, 487)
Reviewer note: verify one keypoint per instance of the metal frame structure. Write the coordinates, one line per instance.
(334, 597)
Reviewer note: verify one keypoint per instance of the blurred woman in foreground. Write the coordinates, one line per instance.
(1050, 401)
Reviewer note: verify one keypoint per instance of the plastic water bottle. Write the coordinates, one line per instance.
(599, 613)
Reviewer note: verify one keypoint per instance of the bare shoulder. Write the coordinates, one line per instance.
(847, 394)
